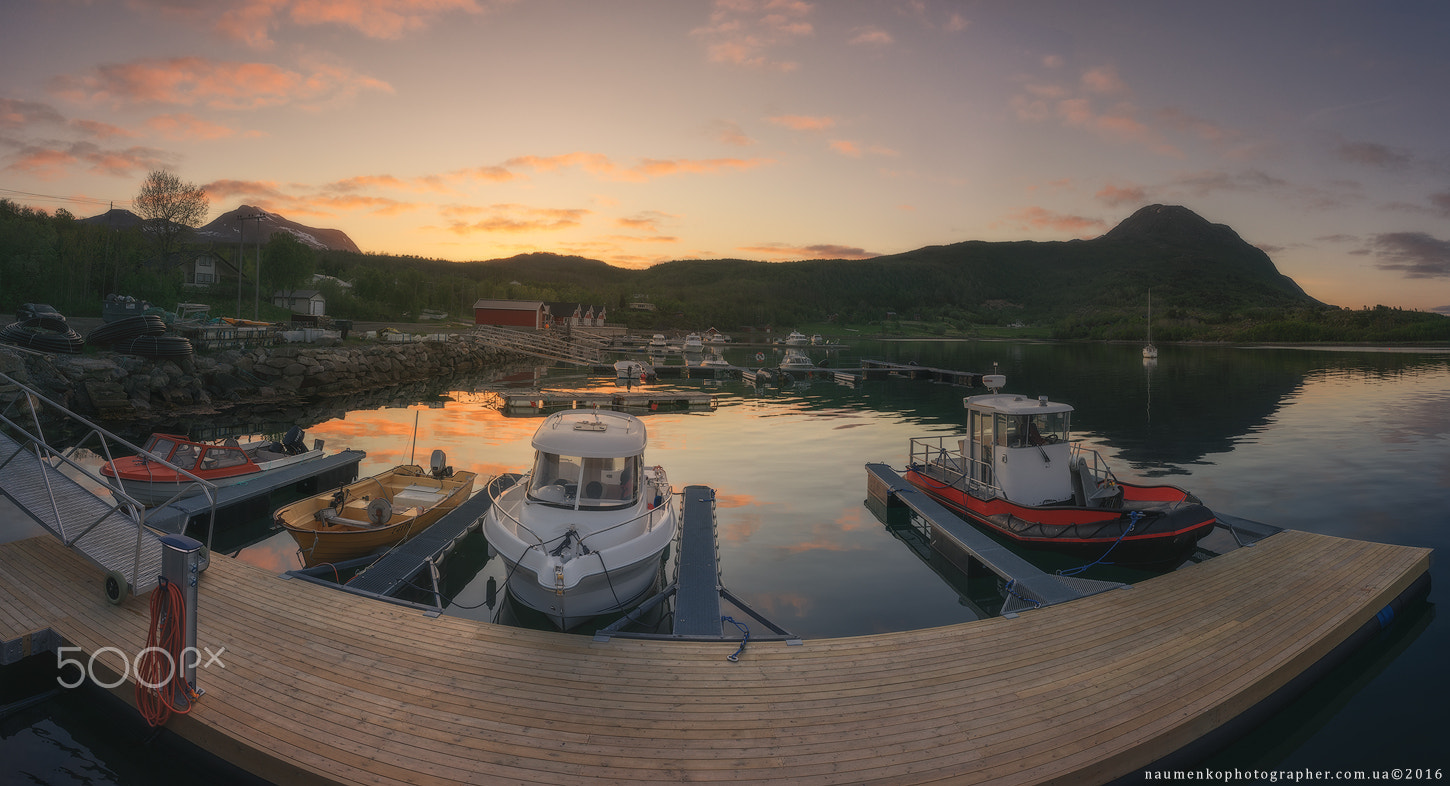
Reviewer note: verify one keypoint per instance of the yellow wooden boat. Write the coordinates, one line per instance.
(374, 513)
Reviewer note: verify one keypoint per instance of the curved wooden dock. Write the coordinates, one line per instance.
(320, 686)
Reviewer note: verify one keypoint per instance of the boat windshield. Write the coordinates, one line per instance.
(1018, 431)
(159, 446)
(223, 457)
(585, 483)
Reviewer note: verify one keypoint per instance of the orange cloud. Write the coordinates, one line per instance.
(1117, 196)
(871, 37)
(782, 251)
(1040, 218)
(180, 127)
(742, 32)
(192, 81)
(804, 122)
(49, 163)
(253, 23)
(602, 166)
(521, 218)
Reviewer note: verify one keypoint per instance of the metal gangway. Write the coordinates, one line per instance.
(103, 524)
(581, 350)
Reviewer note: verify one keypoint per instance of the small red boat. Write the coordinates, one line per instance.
(151, 477)
(1016, 472)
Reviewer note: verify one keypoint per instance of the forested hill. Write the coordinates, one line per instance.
(1196, 270)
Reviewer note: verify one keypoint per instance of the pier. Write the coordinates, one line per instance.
(325, 687)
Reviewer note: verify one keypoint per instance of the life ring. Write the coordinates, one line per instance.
(759, 356)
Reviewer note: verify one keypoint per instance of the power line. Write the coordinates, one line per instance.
(64, 199)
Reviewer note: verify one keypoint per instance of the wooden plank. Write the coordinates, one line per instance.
(322, 685)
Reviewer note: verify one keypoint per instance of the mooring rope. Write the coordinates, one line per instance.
(1132, 522)
(734, 657)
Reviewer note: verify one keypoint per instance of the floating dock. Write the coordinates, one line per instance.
(318, 686)
(515, 402)
(253, 498)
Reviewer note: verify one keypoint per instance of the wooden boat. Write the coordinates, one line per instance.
(1016, 473)
(374, 513)
(154, 476)
(582, 533)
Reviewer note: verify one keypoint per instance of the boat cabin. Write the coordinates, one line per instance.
(588, 460)
(1020, 446)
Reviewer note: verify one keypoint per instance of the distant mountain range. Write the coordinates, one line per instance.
(227, 229)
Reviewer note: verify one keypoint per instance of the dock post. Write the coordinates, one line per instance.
(181, 565)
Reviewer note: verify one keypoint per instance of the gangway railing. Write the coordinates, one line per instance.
(582, 352)
(104, 524)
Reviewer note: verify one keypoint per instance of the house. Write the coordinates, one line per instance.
(201, 269)
(510, 313)
(574, 315)
(301, 301)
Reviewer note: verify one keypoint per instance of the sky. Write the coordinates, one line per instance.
(642, 131)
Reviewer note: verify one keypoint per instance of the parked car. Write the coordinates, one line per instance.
(33, 310)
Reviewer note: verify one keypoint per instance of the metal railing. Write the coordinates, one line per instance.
(45, 481)
(944, 459)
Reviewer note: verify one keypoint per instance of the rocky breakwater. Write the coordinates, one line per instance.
(111, 386)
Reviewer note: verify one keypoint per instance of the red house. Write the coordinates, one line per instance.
(509, 313)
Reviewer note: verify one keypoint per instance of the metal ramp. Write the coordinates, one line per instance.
(697, 589)
(108, 528)
(1029, 587)
(580, 350)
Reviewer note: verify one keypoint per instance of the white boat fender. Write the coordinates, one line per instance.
(379, 511)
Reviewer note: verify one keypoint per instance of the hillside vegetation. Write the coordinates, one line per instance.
(1206, 284)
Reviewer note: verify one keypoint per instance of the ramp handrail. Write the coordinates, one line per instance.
(49, 459)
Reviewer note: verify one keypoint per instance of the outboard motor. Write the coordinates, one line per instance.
(438, 464)
(292, 443)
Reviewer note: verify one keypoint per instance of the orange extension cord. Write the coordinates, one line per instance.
(155, 699)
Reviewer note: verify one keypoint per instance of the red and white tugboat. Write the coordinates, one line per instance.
(1015, 472)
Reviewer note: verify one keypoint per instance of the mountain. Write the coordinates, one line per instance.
(224, 229)
(227, 227)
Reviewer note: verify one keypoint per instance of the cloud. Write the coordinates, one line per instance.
(508, 218)
(198, 81)
(183, 126)
(1374, 155)
(16, 114)
(253, 23)
(603, 167)
(726, 132)
(1415, 254)
(871, 36)
(52, 161)
(1441, 203)
(647, 221)
(743, 32)
(1209, 182)
(1206, 130)
(1040, 218)
(1103, 79)
(803, 122)
(783, 251)
(1117, 196)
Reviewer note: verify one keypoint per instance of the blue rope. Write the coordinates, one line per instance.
(1036, 604)
(745, 632)
(1132, 522)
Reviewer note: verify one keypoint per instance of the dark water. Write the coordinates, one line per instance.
(1353, 443)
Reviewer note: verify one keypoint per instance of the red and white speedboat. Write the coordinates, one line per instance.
(1015, 472)
(152, 477)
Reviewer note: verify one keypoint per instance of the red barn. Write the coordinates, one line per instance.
(509, 313)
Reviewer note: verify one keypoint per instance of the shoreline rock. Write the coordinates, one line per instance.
(111, 386)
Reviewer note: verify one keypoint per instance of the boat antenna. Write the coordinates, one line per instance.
(413, 446)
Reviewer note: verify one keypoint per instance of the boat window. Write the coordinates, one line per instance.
(555, 479)
(223, 457)
(160, 447)
(185, 456)
(609, 482)
(1010, 429)
(1047, 429)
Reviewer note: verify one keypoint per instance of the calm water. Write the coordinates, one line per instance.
(1353, 443)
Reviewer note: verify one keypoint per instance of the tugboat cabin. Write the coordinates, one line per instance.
(1019, 447)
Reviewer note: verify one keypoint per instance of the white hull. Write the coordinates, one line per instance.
(621, 561)
(593, 595)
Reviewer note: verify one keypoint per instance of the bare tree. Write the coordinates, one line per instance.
(171, 208)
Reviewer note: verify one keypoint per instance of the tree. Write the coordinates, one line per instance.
(171, 209)
(289, 265)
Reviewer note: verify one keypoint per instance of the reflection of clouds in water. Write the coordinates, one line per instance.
(782, 604)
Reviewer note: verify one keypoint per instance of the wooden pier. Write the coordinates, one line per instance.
(548, 400)
(320, 686)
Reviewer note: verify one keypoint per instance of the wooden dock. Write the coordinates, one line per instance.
(515, 402)
(320, 686)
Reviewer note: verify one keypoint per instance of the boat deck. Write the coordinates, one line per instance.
(325, 687)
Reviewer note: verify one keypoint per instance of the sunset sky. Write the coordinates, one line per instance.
(642, 131)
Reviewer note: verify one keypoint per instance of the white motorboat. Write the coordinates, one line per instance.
(715, 359)
(796, 359)
(582, 533)
(796, 339)
(693, 343)
(657, 343)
